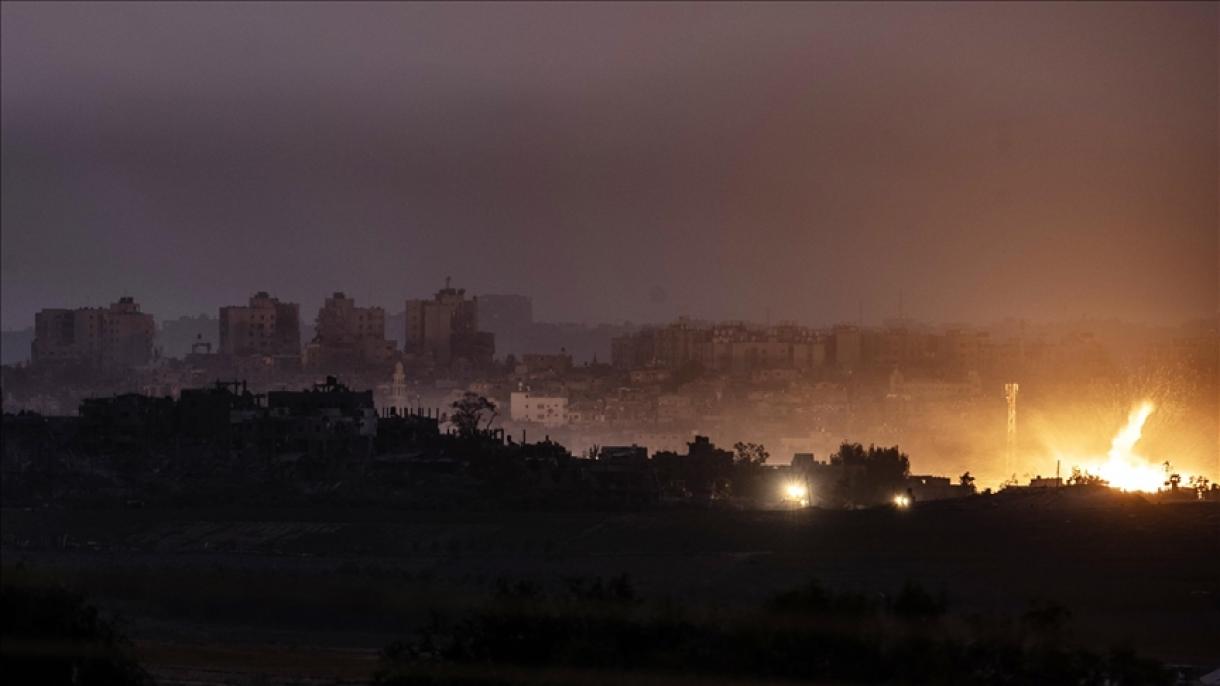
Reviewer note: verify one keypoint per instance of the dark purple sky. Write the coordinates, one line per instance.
(1045, 161)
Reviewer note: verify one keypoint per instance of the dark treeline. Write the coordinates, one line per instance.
(594, 627)
(53, 636)
(328, 444)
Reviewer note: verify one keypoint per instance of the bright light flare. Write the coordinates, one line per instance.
(796, 491)
(902, 501)
(1123, 468)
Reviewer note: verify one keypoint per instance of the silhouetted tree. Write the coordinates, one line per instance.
(871, 476)
(1080, 478)
(468, 413)
(967, 480)
(751, 454)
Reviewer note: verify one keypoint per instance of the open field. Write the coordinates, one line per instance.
(205, 588)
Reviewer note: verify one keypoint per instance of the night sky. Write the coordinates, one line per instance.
(616, 162)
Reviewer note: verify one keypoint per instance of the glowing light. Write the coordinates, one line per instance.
(796, 491)
(1123, 468)
(902, 501)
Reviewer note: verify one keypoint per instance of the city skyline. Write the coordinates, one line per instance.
(817, 160)
(889, 314)
(656, 383)
(403, 342)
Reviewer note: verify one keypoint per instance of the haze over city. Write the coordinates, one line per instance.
(617, 162)
(400, 343)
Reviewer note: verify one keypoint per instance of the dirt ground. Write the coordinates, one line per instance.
(309, 595)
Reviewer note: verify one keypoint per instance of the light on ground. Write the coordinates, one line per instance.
(796, 492)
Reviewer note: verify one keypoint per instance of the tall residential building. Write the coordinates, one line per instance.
(348, 336)
(264, 327)
(725, 347)
(117, 336)
(680, 343)
(672, 346)
(446, 328)
(633, 350)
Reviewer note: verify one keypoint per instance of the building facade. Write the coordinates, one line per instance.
(729, 347)
(538, 409)
(445, 329)
(265, 326)
(546, 363)
(117, 336)
(348, 336)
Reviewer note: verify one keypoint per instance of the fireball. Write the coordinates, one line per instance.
(1124, 469)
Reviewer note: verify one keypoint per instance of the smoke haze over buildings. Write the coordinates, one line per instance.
(810, 161)
(404, 342)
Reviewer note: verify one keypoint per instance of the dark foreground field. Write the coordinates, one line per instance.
(229, 594)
